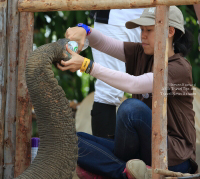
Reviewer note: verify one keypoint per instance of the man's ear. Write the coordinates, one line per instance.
(171, 31)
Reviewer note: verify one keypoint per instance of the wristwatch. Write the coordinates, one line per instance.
(87, 29)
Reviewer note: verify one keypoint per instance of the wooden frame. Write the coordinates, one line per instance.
(11, 92)
(159, 103)
(24, 107)
(74, 5)
(3, 18)
(20, 40)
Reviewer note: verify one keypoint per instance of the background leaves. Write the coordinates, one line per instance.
(50, 26)
(194, 56)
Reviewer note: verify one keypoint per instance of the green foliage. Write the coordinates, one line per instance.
(51, 26)
(194, 56)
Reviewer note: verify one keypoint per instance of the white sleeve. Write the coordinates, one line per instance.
(123, 81)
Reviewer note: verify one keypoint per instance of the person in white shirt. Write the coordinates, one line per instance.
(106, 97)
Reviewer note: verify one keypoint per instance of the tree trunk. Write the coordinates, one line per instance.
(10, 111)
(159, 103)
(3, 13)
(69, 5)
(24, 111)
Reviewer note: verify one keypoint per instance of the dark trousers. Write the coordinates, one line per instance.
(108, 157)
(103, 120)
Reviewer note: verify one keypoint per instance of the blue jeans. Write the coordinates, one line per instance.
(108, 157)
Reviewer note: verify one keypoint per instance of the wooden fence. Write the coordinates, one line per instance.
(16, 39)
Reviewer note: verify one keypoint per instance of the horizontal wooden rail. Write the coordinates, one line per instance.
(195, 176)
(74, 5)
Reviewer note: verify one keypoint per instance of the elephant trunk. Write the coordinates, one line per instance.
(58, 150)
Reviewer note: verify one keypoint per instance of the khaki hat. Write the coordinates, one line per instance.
(148, 18)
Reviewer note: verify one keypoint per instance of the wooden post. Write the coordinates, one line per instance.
(69, 5)
(24, 112)
(159, 103)
(195, 176)
(171, 173)
(3, 12)
(159, 107)
(10, 111)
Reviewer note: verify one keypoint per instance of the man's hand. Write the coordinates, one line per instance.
(73, 64)
(77, 34)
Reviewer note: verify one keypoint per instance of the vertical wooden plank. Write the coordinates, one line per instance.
(3, 15)
(10, 111)
(159, 103)
(24, 110)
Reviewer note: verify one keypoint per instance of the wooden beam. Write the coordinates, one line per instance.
(195, 176)
(69, 5)
(171, 173)
(3, 15)
(24, 107)
(159, 103)
(10, 111)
